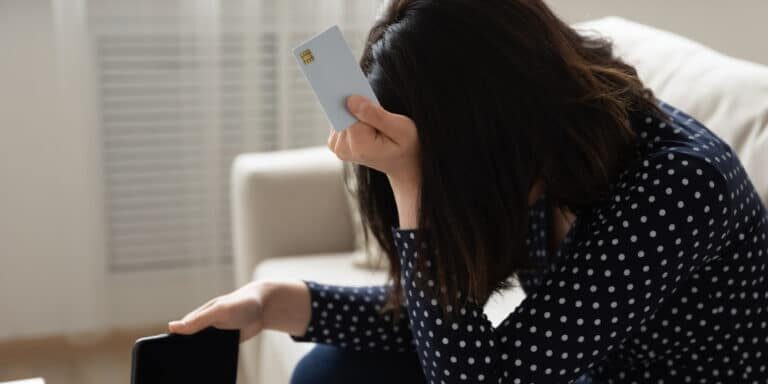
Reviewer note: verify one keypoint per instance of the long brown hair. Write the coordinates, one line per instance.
(503, 94)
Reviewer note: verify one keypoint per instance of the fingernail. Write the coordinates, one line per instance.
(175, 323)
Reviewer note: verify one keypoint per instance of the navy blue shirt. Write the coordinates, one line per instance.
(665, 281)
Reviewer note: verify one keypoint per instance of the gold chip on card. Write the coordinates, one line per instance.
(306, 56)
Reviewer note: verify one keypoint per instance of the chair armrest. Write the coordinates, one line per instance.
(290, 202)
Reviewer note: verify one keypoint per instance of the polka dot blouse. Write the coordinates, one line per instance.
(663, 282)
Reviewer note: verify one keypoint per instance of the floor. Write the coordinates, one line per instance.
(72, 360)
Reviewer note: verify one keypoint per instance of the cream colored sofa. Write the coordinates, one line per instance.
(292, 220)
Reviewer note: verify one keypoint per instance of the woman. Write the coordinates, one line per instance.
(506, 144)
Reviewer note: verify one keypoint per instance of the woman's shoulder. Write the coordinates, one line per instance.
(677, 149)
(681, 169)
(679, 135)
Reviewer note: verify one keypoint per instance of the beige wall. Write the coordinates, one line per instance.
(53, 275)
(49, 236)
(738, 28)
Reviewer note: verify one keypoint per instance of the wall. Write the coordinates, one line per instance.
(737, 28)
(49, 232)
(53, 276)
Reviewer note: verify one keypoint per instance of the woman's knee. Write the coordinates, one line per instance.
(328, 364)
(323, 364)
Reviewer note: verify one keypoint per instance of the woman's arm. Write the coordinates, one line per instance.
(307, 311)
(280, 306)
(352, 317)
(625, 263)
(286, 307)
(406, 193)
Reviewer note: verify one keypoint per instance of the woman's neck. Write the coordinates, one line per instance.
(561, 222)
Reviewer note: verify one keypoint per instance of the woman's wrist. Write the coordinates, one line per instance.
(286, 306)
(406, 192)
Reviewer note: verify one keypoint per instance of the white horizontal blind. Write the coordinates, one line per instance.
(282, 25)
(184, 86)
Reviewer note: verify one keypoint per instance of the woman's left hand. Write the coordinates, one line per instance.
(389, 143)
(385, 141)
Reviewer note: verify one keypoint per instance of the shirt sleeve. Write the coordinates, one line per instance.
(536, 242)
(351, 317)
(667, 217)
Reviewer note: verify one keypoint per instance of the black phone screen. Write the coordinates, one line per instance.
(209, 356)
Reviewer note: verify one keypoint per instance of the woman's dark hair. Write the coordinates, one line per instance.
(503, 94)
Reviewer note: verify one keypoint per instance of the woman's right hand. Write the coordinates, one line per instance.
(252, 308)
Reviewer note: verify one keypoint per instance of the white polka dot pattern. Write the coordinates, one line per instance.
(351, 317)
(664, 282)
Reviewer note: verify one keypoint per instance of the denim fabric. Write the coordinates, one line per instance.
(329, 364)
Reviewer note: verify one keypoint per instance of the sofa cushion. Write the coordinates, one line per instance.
(728, 95)
(278, 351)
(330, 268)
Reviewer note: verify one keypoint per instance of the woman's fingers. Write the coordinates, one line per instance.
(204, 306)
(339, 143)
(376, 138)
(337, 146)
(341, 147)
(381, 140)
(366, 142)
(193, 323)
(393, 125)
(179, 326)
(361, 143)
(332, 137)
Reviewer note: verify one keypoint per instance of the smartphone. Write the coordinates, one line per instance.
(209, 356)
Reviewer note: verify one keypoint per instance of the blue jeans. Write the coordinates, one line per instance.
(328, 364)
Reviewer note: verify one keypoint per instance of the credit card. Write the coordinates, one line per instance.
(334, 74)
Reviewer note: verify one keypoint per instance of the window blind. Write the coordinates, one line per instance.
(184, 86)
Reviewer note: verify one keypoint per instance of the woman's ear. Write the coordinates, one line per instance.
(536, 190)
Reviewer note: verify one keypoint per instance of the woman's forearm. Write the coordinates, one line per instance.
(286, 307)
(406, 192)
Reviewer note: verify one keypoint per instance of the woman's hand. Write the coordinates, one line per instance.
(251, 308)
(387, 142)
